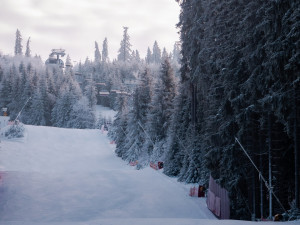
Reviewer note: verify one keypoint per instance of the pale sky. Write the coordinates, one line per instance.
(75, 25)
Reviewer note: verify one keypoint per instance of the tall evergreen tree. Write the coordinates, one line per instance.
(7, 88)
(28, 51)
(137, 118)
(137, 56)
(18, 43)
(1, 73)
(105, 57)
(37, 109)
(118, 133)
(164, 54)
(90, 93)
(82, 115)
(149, 58)
(161, 109)
(176, 52)
(61, 113)
(97, 53)
(178, 134)
(156, 55)
(125, 47)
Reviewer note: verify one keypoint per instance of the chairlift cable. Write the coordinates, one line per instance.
(261, 176)
(146, 133)
(22, 109)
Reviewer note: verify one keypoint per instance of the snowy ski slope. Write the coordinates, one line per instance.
(68, 176)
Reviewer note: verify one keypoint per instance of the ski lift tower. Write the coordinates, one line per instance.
(54, 57)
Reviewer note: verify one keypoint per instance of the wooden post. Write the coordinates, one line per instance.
(270, 165)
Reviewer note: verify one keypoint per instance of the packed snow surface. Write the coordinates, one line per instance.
(68, 176)
(105, 112)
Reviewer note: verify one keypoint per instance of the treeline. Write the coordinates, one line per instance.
(239, 79)
(66, 97)
(54, 96)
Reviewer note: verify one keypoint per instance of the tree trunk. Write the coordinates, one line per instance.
(296, 151)
(260, 179)
(253, 196)
(270, 164)
(254, 147)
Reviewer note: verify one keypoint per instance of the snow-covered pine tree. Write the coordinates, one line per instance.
(18, 43)
(82, 115)
(36, 112)
(61, 111)
(164, 54)
(137, 56)
(68, 62)
(125, 47)
(7, 87)
(69, 94)
(137, 118)
(90, 93)
(27, 92)
(149, 58)
(105, 57)
(156, 55)
(48, 97)
(118, 131)
(28, 51)
(176, 52)
(97, 53)
(177, 145)
(50, 94)
(161, 109)
(1, 73)
(16, 94)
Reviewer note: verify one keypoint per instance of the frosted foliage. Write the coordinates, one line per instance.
(105, 57)
(97, 53)
(125, 48)
(156, 56)
(28, 51)
(239, 78)
(90, 93)
(37, 109)
(14, 131)
(18, 44)
(81, 116)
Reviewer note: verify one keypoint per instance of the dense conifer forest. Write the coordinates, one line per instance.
(239, 80)
(65, 95)
(233, 78)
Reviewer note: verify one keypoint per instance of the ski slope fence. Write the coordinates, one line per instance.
(197, 192)
(153, 166)
(217, 200)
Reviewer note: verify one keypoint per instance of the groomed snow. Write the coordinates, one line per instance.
(105, 112)
(57, 175)
(68, 176)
